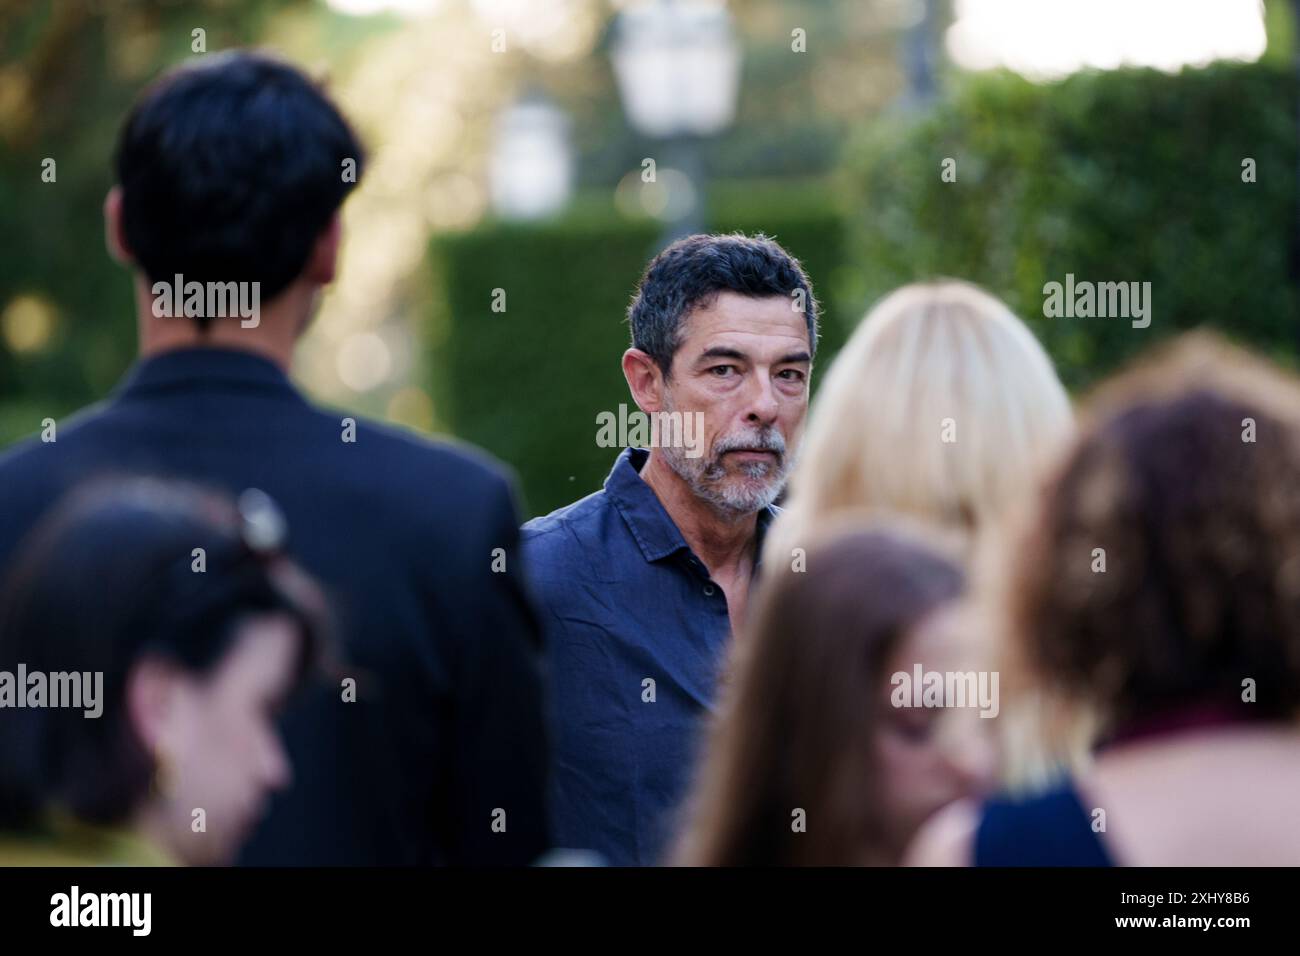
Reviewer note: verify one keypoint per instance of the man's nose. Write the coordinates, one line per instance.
(763, 403)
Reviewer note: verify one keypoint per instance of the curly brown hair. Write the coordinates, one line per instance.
(1162, 568)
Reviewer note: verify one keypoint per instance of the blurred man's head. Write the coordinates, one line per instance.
(726, 327)
(231, 169)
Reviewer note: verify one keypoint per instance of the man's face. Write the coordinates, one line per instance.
(744, 365)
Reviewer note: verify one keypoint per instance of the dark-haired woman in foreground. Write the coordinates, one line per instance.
(1157, 591)
(810, 763)
(200, 629)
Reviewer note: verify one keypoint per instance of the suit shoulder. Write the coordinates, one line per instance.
(19, 455)
(33, 451)
(452, 460)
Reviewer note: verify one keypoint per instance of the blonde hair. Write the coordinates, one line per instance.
(941, 406)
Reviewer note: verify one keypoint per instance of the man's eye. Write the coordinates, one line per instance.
(791, 374)
(722, 371)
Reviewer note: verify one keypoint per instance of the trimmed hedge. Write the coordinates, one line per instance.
(528, 383)
(1131, 175)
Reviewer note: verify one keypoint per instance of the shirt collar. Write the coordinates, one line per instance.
(183, 368)
(654, 531)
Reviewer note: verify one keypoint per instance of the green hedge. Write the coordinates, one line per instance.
(1129, 175)
(528, 383)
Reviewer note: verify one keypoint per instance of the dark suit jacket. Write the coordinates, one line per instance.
(447, 728)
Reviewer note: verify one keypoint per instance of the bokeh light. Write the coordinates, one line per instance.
(27, 323)
(1046, 39)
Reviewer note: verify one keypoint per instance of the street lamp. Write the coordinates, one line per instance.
(677, 64)
(531, 168)
(919, 54)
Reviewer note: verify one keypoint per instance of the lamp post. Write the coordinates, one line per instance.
(919, 53)
(678, 69)
(531, 167)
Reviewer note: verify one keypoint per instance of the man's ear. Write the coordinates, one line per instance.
(322, 264)
(645, 379)
(114, 233)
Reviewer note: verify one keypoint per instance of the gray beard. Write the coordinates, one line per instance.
(708, 479)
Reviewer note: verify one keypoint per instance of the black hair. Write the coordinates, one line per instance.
(231, 166)
(106, 580)
(692, 271)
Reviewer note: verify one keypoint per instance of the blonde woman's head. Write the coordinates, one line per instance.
(941, 406)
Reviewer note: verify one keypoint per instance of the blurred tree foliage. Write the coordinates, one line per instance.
(1132, 175)
(527, 383)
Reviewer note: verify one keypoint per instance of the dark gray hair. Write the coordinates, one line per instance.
(692, 271)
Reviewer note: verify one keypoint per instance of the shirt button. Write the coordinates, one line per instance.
(708, 590)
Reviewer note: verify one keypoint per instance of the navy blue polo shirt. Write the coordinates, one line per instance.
(635, 634)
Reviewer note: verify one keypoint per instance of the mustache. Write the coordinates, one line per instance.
(767, 440)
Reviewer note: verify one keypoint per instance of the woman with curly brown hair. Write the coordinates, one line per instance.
(1158, 591)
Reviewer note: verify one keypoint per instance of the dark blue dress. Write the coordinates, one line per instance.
(1048, 829)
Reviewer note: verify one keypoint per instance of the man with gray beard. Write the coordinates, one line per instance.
(642, 582)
